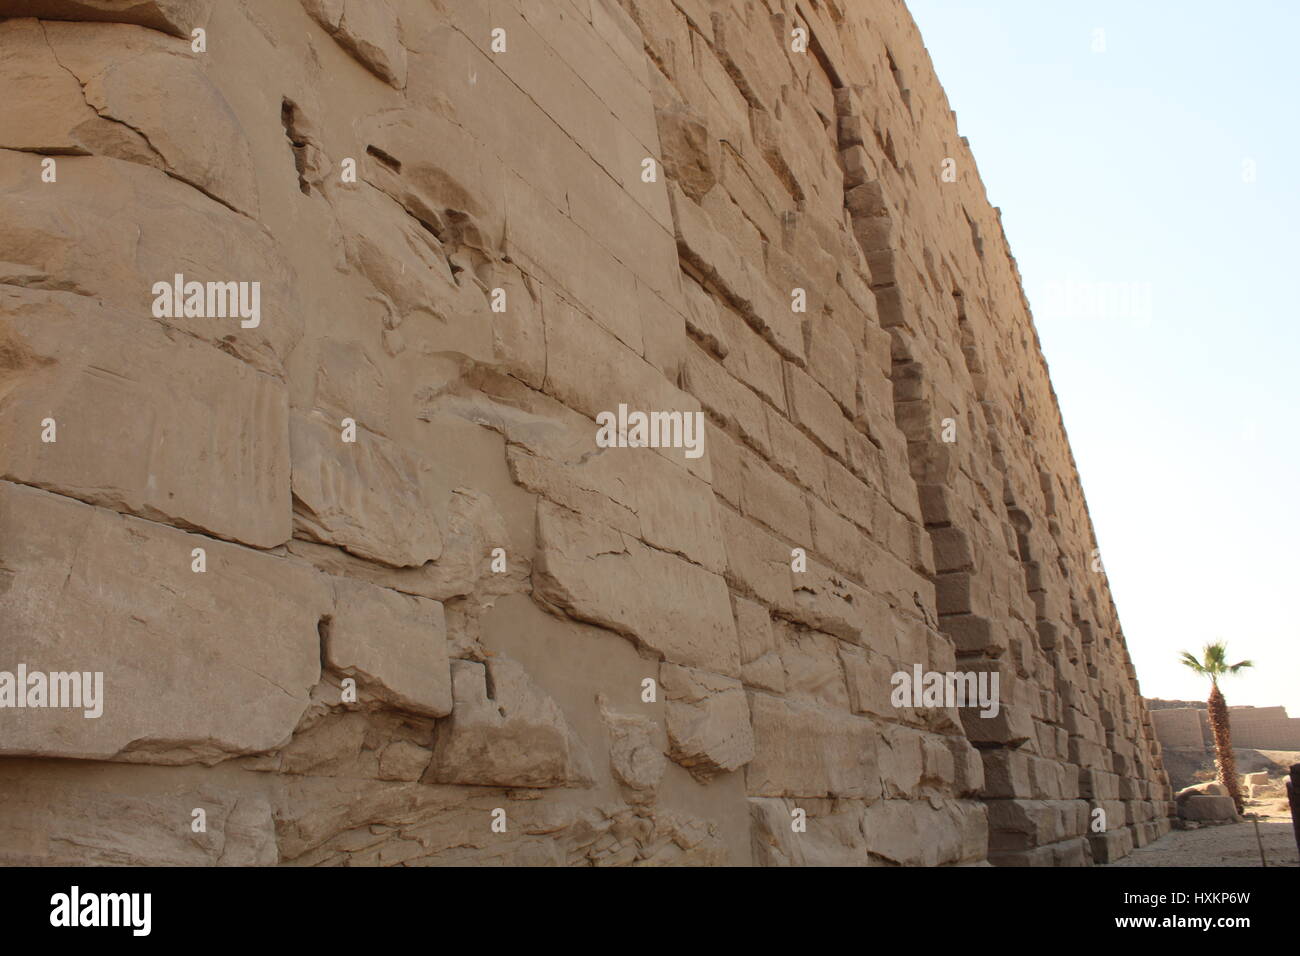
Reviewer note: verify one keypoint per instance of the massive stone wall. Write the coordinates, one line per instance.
(364, 580)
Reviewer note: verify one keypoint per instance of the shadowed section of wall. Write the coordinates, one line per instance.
(384, 570)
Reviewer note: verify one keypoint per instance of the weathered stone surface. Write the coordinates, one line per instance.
(368, 29)
(803, 750)
(408, 268)
(505, 732)
(1112, 845)
(177, 17)
(665, 506)
(475, 531)
(691, 155)
(393, 641)
(468, 254)
(675, 608)
(708, 721)
(370, 496)
(191, 133)
(833, 834)
(909, 833)
(760, 658)
(54, 116)
(110, 230)
(635, 753)
(1206, 803)
(868, 677)
(99, 827)
(112, 381)
(229, 655)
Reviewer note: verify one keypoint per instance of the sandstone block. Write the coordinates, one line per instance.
(760, 658)
(833, 836)
(729, 402)
(691, 152)
(54, 115)
(869, 679)
(1208, 808)
(196, 666)
(367, 29)
(802, 750)
(677, 609)
(177, 17)
(371, 497)
(811, 661)
(505, 732)
(774, 501)
(918, 834)
(128, 400)
(113, 230)
(192, 133)
(708, 721)
(395, 643)
(636, 755)
(50, 820)
(902, 762)
(1112, 845)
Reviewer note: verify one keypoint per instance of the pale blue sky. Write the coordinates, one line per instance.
(1179, 384)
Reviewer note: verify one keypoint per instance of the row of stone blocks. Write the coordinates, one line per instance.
(1094, 848)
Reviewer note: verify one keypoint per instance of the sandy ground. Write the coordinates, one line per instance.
(1233, 844)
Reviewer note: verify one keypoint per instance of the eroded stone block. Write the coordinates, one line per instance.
(196, 666)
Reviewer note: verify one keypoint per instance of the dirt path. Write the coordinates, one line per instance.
(1230, 845)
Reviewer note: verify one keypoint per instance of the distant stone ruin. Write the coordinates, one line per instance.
(1183, 729)
(1185, 725)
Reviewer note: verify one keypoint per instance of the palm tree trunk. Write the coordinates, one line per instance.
(1224, 759)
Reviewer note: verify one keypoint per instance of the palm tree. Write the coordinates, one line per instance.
(1214, 664)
